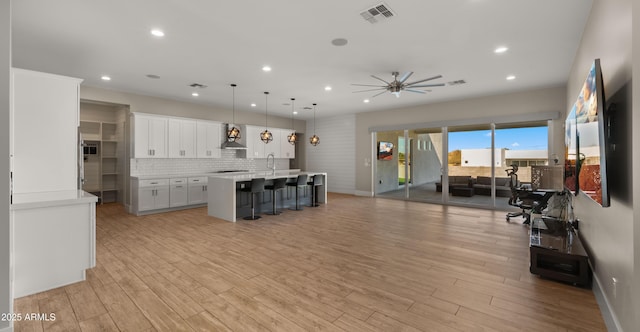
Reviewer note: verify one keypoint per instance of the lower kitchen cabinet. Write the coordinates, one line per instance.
(151, 195)
(197, 190)
(178, 194)
(159, 195)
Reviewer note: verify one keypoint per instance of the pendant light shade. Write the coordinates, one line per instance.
(266, 135)
(293, 137)
(233, 133)
(314, 140)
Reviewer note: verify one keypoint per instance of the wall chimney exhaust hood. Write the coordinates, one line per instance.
(230, 144)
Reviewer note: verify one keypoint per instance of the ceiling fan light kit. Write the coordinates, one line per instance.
(398, 85)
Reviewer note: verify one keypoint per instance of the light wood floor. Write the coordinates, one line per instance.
(357, 264)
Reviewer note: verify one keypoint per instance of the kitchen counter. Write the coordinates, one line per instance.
(223, 201)
(214, 173)
(54, 240)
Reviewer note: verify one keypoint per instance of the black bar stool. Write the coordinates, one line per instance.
(256, 186)
(278, 184)
(314, 183)
(301, 182)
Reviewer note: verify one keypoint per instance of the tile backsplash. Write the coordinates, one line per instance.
(229, 161)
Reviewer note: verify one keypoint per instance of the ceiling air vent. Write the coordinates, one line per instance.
(378, 13)
(197, 85)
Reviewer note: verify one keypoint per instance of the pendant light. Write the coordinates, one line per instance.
(233, 133)
(314, 140)
(266, 135)
(293, 137)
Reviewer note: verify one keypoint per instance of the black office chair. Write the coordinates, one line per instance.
(314, 183)
(278, 184)
(256, 186)
(300, 182)
(524, 199)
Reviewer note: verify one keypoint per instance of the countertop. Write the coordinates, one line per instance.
(217, 174)
(41, 200)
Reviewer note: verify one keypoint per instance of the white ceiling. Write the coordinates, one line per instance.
(216, 43)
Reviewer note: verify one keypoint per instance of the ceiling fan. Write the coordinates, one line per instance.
(398, 85)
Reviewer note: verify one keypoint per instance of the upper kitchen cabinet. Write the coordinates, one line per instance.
(182, 138)
(149, 136)
(44, 134)
(273, 147)
(287, 150)
(255, 147)
(208, 139)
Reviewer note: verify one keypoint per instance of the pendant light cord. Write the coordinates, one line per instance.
(233, 86)
(266, 111)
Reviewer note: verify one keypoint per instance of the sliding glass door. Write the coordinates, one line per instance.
(426, 162)
(470, 164)
(461, 165)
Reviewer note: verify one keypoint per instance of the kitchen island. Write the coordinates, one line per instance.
(228, 202)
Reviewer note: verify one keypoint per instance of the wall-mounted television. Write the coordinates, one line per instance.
(385, 151)
(591, 140)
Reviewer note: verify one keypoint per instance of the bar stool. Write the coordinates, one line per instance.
(278, 184)
(301, 182)
(314, 183)
(256, 186)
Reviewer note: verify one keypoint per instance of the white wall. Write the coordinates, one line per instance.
(636, 162)
(608, 232)
(334, 155)
(480, 157)
(5, 239)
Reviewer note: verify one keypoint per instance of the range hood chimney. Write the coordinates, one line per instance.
(229, 144)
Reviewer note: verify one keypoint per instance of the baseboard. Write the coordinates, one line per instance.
(364, 193)
(7, 329)
(609, 316)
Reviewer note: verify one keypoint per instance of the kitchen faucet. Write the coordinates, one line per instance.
(273, 164)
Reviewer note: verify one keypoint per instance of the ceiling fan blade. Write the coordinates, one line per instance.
(405, 76)
(377, 94)
(378, 78)
(425, 85)
(424, 80)
(416, 91)
(379, 86)
(370, 90)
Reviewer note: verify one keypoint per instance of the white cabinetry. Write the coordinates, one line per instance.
(287, 150)
(150, 136)
(182, 138)
(280, 147)
(273, 147)
(44, 133)
(208, 139)
(178, 194)
(197, 190)
(151, 195)
(255, 147)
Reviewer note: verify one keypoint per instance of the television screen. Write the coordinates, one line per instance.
(385, 151)
(591, 140)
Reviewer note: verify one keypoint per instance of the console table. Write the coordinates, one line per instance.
(558, 254)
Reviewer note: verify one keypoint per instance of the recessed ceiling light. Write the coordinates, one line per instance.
(339, 42)
(366, 101)
(195, 94)
(253, 105)
(106, 78)
(157, 32)
(501, 49)
(327, 88)
(295, 112)
(266, 68)
(511, 77)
